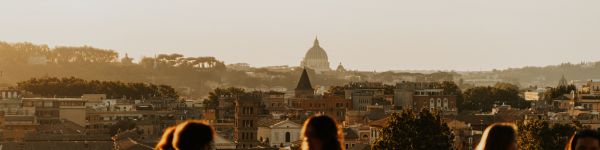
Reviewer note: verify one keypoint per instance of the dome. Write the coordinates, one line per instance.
(340, 68)
(316, 52)
(316, 58)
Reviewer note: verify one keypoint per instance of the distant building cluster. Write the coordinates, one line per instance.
(274, 119)
(91, 121)
(260, 119)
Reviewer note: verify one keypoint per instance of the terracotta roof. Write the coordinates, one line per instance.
(67, 137)
(350, 134)
(267, 122)
(130, 144)
(379, 123)
(361, 147)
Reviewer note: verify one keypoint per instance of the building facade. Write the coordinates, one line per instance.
(280, 133)
(247, 110)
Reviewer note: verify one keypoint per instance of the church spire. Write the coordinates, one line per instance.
(304, 88)
(304, 82)
(316, 41)
(563, 81)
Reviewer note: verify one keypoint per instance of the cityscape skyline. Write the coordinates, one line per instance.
(299, 75)
(397, 35)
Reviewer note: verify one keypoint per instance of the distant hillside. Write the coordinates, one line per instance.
(196, 76)
(542, 76)
(192, 76)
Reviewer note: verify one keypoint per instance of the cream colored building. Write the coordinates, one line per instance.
(52, 110)
(284, 132)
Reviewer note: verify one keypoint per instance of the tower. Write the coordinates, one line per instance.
(316, 58)
(340, 68)
(403, 95)
(247, 110)
(563, 81)
(304, 87)
(127, 60)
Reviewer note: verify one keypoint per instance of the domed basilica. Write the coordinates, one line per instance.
(316, 59)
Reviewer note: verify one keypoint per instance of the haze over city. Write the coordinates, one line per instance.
(384, 35)
(300, 75)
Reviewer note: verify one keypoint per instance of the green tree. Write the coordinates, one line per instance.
(540, 135)
(336, 90)
(484, 97)
(76, 87)
(213, 97)
(558, 91)
(409, 130)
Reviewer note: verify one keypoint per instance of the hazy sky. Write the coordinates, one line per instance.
(365, 35)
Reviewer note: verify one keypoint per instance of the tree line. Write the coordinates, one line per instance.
(539, 134)
(556, 92)
(76, 87)
(546, 75)
(480, 98)
(425, 130)
(414, 130)
(193, 76)
(483, 98)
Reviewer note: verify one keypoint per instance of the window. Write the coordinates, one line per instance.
(431, 103)
(445, 102)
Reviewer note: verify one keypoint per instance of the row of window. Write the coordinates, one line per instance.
(247, 110)
(364, 101)
(247, 123)
(247, 136)
(109, 118)
(319, 105)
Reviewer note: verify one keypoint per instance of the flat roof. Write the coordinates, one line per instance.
(53, 99)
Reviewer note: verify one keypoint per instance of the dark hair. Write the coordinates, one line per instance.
(193, 135)
(582, 134)
(499, 136)
(166, 141)
(323, 129)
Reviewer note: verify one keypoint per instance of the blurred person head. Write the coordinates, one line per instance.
(499, 136)
(193, 135)
(584, 140)
(321, 133)
(166, 141)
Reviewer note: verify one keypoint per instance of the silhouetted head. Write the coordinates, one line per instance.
(584, 140)
(193, 135)
(321, 133)
(166, 141)
(500, 136)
